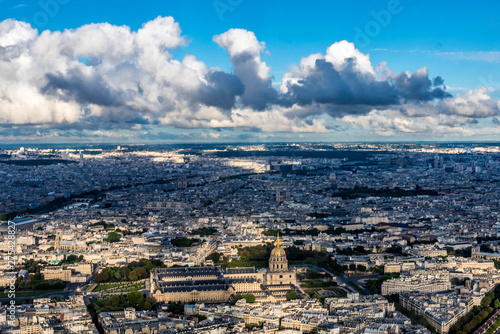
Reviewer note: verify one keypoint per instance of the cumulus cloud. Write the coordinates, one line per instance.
(472, 103)
(104, 71)
(388, 122)
(101, 78)
(454, 116)
(244, 52)
(345, 76)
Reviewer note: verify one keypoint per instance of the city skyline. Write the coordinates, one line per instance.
(239, 71)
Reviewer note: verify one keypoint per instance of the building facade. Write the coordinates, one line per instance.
(212, 284)
(423, 283)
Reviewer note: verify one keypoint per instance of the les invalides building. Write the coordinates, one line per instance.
(215, 285)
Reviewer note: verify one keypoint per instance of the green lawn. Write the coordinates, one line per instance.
(314, 293)
(120, 287)
(29, 293)
(340, 292)
(308, 284)
(102, 287)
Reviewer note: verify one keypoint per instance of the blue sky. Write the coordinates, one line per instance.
(456, 40)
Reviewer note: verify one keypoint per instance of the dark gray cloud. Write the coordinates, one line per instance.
(222, 90)
(244, 52)
(326, 85)
(84, 89)
(351, 91)
(418, 87)
(258, 91)
(438, 81)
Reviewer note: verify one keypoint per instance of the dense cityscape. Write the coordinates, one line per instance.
(237, 166)
(267, 238)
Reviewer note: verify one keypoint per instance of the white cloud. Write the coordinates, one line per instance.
(472, 103)
(341, 55)
(100, 78)
(451, 117)
(244, 52)
(13, 32)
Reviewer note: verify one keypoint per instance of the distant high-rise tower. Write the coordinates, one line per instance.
(182, 182)
(282, 195)
(438, 162)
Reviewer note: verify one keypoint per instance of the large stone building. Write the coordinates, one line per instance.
(212, 284)
(442, 309)
(70, 245)
(398, 267)
(477, 254)
(64, 273)
(423, 283)
(197, 284)
(130, 321)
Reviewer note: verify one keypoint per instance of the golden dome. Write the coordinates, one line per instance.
(278, 251)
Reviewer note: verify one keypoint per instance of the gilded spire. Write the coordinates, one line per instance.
(278, 243)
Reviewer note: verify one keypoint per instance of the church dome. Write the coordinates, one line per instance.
(278, 252)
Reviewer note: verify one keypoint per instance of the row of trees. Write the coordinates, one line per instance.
(258, 256)
(133, 272)
(297, 256)
(216, 257)
(250, 298)
(373, 285)
(204, 231)
(121, 274)
(112, 237)
(120, 302)
(358, 250)
(70, 259)
(184, 242)
(469, 323)
(38, 285)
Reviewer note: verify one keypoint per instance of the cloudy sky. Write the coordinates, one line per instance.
(241, 70)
